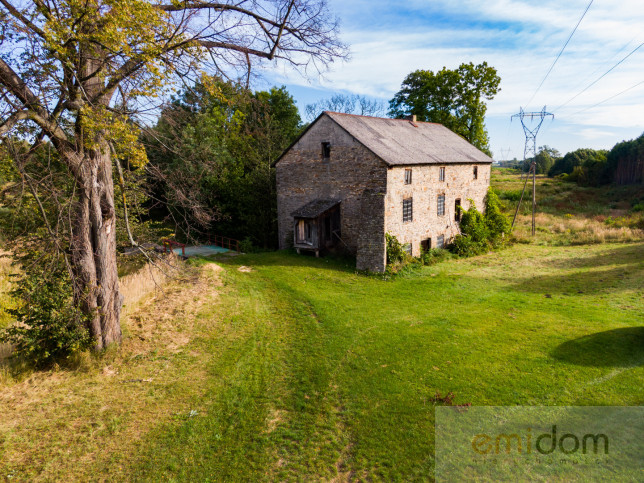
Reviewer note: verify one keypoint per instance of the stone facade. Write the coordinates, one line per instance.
(425, 187)
(352, 174)
(371, 192)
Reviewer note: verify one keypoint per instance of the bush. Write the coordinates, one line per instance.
(479, 232)
(49, 327)
(395, 250)
(435, 255)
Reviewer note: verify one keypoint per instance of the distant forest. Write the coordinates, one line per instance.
(624, 164)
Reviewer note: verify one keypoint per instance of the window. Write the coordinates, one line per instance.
(441, 174)
(408, 214)
(408, 176)
(457, 210)
(426, 245)
(326, 150)
(476, 172)
(407, 248)
(440, 241)
(441, 205)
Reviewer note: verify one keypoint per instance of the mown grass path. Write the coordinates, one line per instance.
(318, 373)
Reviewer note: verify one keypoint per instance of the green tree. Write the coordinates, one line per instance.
(454, 98)
(545, 159)
(76, 72)
(585, 166)
(212, 152)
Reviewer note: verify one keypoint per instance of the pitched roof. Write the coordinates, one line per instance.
(314, 208)
(403, 142)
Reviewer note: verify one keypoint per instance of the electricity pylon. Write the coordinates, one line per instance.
(530, 147)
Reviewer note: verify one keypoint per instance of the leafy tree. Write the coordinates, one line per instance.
(348, 104)
(76, 72)
(545, 159)
(212, 152)
(454, 98)
(585, 166)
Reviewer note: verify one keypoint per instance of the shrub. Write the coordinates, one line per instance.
(435, 255)
(395, 250)
(497, 223)
(246, 246)
(638, 207)
(481, 232)
(49, 327)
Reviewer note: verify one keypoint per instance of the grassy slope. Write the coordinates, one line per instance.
(302, 369)
(333, 372)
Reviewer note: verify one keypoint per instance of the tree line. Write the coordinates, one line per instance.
(623, 164)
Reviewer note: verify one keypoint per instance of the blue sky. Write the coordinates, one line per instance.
(520, 39)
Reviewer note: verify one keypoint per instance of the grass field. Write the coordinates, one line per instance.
(278, 367)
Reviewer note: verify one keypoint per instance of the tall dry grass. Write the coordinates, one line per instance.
(5, 301)
(147, 280)
(569, 230)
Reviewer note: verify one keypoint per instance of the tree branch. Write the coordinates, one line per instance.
(24, 20)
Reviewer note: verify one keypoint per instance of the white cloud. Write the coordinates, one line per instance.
(520, 39)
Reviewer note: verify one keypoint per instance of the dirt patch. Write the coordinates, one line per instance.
(245, 269)
(275, 417)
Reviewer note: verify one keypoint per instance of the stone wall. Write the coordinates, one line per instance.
(352, 174)
(424, 190)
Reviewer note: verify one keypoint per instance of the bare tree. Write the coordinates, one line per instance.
(348, 104)
(76, 72)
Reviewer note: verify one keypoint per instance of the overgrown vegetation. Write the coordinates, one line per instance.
(399, 260)
(49, 328)
(211, 154)
(569, 214)
(481, 232)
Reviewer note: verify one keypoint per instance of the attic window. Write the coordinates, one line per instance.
(476, 172)
(326, 150)
(408, 176)
(441, 174)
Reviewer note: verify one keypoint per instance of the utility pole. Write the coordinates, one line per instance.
(530, 148)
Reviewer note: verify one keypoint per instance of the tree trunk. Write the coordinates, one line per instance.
(94, 249)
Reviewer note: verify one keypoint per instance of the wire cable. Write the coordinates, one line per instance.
(608, 99)
(599, 78)
(560, 52)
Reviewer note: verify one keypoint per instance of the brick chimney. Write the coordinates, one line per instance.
(411, 118)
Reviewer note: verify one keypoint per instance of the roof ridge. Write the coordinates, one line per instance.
(380, 118)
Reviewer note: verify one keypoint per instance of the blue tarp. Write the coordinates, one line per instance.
(203, 250)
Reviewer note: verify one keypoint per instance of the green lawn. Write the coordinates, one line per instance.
(318, 372)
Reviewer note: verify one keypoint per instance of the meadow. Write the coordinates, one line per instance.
(279, 367)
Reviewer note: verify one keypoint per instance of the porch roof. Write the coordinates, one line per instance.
(315, 208)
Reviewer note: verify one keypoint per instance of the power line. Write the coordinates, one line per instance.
(608, 99)
(599, 78)
(560, 52)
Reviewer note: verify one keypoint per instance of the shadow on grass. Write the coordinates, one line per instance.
(612, 348)
(628, 254)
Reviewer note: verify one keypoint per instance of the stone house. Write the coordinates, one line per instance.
(348, 180)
